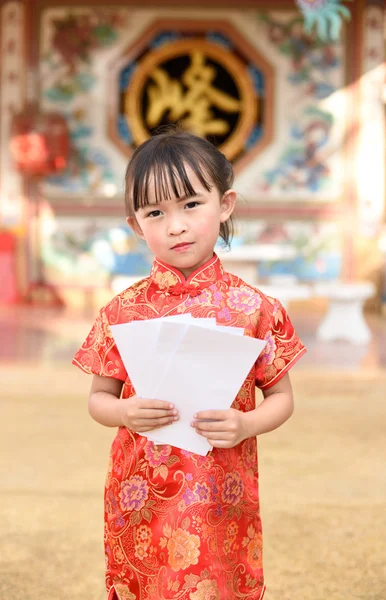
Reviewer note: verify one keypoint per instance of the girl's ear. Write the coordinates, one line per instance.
(133, 224)
(228, 204)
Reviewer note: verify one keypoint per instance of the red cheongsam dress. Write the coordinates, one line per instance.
(177, 525)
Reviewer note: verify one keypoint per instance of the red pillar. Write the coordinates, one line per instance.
(8, 265)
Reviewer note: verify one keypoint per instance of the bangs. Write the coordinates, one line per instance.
(163, 170)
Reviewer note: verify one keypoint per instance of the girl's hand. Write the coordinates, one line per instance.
(141, 414)
(225, 429)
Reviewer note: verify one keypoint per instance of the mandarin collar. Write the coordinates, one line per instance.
(172, 281)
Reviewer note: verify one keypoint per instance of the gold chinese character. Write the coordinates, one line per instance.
(192, 106)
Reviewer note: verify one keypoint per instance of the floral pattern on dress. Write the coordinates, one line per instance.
(179, 525)
(183, 548)
(206, 590)
(134, 493)
(244, 299)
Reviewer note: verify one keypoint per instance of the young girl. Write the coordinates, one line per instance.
(178, 525)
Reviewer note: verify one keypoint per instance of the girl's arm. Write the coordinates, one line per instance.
(138, 414)
(233, 426)
(274, 410)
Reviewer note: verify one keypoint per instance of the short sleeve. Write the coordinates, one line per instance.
(98, 354)
(283, 348)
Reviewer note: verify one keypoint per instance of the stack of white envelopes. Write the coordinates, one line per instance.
(192, 363)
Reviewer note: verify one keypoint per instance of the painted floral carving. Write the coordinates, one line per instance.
(313, 67)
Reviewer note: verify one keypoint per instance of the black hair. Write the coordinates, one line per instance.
(164, 158)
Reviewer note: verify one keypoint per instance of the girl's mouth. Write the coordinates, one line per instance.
(182, 247)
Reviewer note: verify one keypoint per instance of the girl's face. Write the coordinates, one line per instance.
(182, 232)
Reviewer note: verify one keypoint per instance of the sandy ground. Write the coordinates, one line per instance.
(323, 489)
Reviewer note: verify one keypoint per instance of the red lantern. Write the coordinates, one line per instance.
(39, 143)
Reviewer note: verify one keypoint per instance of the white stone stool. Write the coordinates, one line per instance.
(344, 319)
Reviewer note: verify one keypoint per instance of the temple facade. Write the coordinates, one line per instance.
(301, 116)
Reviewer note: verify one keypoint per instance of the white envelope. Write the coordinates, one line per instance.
(193, 363)
(136, 342)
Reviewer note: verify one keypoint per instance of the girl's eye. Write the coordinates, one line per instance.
(154, 213)
(192, 204)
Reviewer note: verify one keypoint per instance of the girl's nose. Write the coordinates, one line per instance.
(176, 225)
